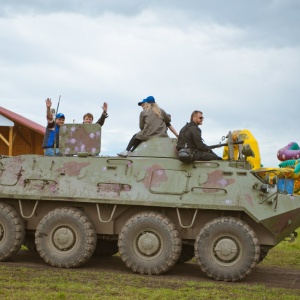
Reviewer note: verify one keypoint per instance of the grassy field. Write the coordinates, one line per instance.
(285, 254)
(53, 283)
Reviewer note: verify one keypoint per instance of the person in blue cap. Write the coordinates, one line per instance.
(153, 122)
(51, 137)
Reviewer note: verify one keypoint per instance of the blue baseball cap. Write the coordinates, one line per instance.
(60, 116)
(149, 99)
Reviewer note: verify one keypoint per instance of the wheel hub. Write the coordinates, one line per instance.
(226, 250)
(148, 243)
(64, 238)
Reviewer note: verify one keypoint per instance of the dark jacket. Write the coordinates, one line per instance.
(101, 120)
(51, 134)
(190, 134)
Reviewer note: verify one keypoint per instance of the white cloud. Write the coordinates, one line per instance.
(230, 71)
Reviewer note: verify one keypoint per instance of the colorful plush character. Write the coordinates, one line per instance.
(290, 151)
(292, 163)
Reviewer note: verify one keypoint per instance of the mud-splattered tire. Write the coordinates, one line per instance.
(106, 247)
(65, 238)
(227, 249)
(12, 231)
(187, 253)
(149, 243)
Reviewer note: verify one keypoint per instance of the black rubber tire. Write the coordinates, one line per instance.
(65, 238)
(106, 248)
(227, 249)
(149, 243)
(187, 253)
(12, 231)
(29, 242)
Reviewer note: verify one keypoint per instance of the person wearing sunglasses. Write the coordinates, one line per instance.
(190, 136)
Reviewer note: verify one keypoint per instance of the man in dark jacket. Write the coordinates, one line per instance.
(190, 135)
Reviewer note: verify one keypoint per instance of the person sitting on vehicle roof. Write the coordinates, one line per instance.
(153, 122)
(88, 117)
(190, 137)
(51, 137)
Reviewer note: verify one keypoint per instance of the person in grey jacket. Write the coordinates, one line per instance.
(153, 122)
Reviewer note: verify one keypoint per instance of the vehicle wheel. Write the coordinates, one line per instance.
(65, 238)
(29, 242)
(149, 243)
(106, 247)
(12, 231)
(187, 253)
(227, 249)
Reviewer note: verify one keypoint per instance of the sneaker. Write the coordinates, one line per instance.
(124, 153)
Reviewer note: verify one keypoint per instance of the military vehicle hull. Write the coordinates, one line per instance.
(150, 207)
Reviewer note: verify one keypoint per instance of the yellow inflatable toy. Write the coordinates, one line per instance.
(246, 136)
(285, 176)
(288, 172)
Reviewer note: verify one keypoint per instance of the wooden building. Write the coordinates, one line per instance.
(19, 135)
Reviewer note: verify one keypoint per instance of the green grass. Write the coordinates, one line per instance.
(54, 283)
(27, 283)
(285, 254)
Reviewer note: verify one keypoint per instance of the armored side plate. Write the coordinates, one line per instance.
(75, 139)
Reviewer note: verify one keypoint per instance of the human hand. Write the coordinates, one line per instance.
(104, 107)
(48, 102)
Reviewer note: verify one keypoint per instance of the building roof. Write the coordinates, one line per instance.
(22, 120)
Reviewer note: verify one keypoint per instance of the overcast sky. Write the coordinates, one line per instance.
(237, 61)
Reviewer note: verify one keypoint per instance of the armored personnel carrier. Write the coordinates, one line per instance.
(150, 207)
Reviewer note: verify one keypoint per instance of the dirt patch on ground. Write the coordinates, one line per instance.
(269, 277)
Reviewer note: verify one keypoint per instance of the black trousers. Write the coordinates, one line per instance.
(201, 155)
(133, 143)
